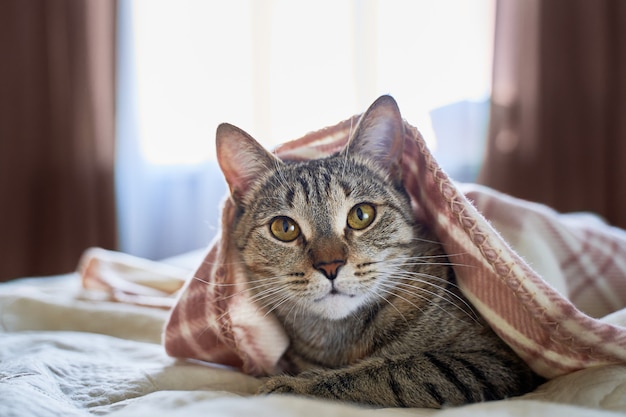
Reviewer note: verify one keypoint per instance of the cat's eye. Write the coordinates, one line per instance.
(361, 216)
(284, 229)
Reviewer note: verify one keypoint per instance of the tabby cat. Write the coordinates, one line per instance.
(366, 295)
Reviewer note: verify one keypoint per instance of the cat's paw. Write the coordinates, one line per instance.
(284, 384)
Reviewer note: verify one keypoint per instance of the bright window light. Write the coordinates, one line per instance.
(193, 70)
(280, 68)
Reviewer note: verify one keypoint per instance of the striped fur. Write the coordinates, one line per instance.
(373, 315)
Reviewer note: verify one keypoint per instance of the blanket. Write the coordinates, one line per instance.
(545, 298)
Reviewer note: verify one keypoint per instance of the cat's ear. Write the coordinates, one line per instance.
(379, 137)
(242, 159)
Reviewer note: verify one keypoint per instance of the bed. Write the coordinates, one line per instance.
(68, 351)
(117, 336)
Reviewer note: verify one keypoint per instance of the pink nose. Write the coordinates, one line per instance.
(329, 269)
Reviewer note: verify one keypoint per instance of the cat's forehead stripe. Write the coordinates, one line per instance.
(290, 196)
(305, 188)
(347, 189)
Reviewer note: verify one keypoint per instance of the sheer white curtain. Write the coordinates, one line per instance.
(278, 69)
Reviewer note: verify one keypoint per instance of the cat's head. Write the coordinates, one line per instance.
(322, 237)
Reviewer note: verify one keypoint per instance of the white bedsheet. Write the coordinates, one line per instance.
(62, 354)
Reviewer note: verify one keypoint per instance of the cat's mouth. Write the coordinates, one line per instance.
(332, 293)
(336, 301)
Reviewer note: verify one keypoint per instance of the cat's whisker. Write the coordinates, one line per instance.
(268, 293)
(346, 151)
(261, 290)
(425, 260)
(395, 268)
(401, 264)
(373, 292)
(425, 256)
(278, 303)
(263, 286)
(423, 277)
(421, 257)
(225, 297)
(444, 299)
(204, 281)
(420, 278)
(234, 284)
(427, 263)
(425, 240)
(405, 275)
(399, 288)
(278, 166)
(220, 263)
(266, 306)
(431, 256)
(295, 308)
(390, 291)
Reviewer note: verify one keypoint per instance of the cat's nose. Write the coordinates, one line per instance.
(329, 269)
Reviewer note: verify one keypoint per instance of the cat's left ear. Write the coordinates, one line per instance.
(379, 137)
(242, 159)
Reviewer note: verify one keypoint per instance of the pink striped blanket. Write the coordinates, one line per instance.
(547, 299)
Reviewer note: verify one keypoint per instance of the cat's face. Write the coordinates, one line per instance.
(322, 237)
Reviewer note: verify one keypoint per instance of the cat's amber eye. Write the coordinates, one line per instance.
(361, 216)
(284, 229)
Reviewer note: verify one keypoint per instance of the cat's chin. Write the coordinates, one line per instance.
(335, 306)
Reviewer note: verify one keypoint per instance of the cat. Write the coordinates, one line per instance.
(366, 294)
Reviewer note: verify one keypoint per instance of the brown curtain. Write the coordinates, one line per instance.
(57, 67)
(558, 121)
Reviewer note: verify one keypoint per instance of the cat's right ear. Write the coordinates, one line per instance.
(379, 137)
(242, 159)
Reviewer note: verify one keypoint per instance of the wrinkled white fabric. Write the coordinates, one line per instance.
(63, 355)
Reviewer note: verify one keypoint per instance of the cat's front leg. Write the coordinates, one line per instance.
(430, 379)
(329, 384)
(370, 382)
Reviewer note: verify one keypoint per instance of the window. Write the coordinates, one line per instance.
(278, 69)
